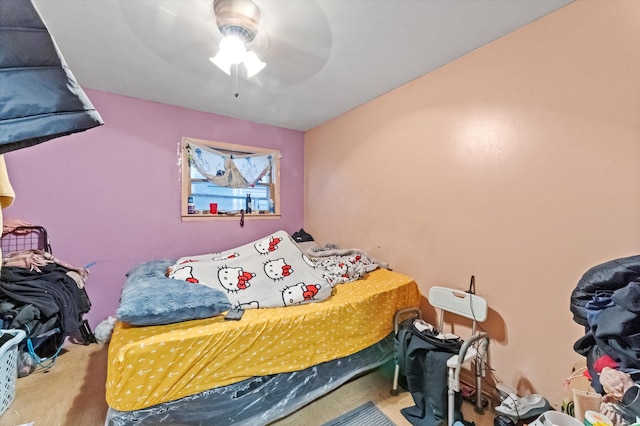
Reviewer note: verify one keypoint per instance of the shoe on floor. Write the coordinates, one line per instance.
(517, 407)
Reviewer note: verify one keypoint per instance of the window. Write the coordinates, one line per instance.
(220, 179)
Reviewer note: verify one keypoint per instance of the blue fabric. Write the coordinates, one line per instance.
(39, 96)
(601, 300)
(150, 298)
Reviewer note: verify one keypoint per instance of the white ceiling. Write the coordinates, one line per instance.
(324, 57)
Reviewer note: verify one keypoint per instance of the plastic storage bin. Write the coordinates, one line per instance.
(9, 368)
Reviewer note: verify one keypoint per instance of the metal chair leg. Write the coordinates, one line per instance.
(396, 327)
(396, 376)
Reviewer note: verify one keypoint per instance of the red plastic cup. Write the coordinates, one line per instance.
(213, 208)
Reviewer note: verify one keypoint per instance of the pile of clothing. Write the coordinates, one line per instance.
(44, 297)
(606, 301)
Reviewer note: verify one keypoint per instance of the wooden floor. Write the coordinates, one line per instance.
(72, 393)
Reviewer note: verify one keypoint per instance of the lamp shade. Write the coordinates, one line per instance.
(232, 48)
(222, 62)
(253, 64)
(232, 51)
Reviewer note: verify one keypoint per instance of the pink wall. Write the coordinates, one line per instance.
(112, 194)
(518, 163)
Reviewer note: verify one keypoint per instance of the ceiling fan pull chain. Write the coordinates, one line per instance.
(236, 94)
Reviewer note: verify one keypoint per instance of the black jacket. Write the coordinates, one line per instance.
(609, 276)
(52, 291)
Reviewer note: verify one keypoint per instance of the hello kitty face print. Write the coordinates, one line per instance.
(267, 245)
(185, 273)
(277, 269)
(234, 279)
(299, 293)
(308, 260)
(247, 305)
(266, 273)
(227, 257)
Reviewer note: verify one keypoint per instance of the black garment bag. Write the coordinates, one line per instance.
(422, 357)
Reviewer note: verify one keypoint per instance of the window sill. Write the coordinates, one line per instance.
(236, 216)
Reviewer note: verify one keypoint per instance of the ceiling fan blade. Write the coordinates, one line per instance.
(298, 40)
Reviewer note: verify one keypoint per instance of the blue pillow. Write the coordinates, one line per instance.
(150, 298)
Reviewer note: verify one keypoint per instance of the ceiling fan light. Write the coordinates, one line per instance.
(253, 63)
(222, 62)
(233, 48)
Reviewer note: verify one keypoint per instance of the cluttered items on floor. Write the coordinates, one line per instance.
(41, 295)
(429, 360)
(514, 408)
(9, 340)
(606, 302)
(604, 388)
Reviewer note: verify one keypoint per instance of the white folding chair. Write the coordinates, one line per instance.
(474, 349)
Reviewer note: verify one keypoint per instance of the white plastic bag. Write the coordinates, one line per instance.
(104, 329)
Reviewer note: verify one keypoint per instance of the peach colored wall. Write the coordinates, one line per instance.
(518, 163)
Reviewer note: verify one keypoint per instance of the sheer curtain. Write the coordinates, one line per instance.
(230, 170)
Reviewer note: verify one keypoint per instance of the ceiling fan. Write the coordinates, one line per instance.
(238, 21)
(293, 37)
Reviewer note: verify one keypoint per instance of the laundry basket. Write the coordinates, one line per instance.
(9, 367)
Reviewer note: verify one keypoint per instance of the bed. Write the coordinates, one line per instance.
(264, 366)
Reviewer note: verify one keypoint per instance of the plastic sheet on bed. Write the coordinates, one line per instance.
(258, 400)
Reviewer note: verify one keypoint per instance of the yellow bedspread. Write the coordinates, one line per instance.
(155, 364)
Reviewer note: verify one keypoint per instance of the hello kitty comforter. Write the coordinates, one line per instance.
(268, 273)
